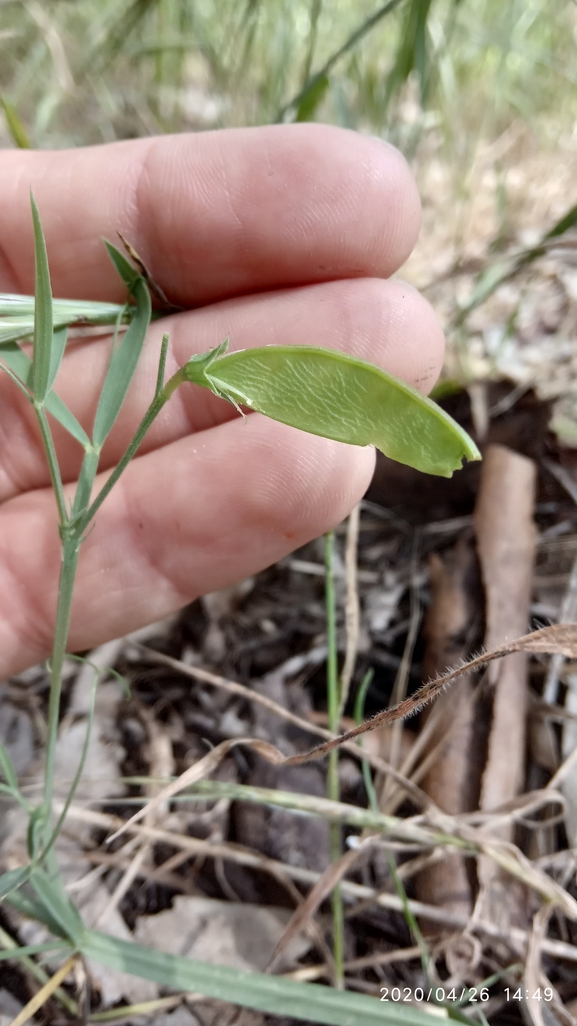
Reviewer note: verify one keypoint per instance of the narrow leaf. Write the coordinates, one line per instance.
(65, 311)
(32, 908)
(20, 363)
(12, 879)
(123, 363)
(59, 337)
(57, 904)
(125, 269)
(311, 98)
(338, 396)
(43, 330)
(270, 994)
(57, 407)
(15, 126)
(30, 949)
(7, 768)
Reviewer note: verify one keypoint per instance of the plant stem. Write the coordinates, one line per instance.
(333, 709)
(152, 412)
(70, 550)
(71, 532)
(53, 467)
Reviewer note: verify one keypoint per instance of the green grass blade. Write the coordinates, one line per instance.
(312, 98)
(125, 269)
(33, 908)
(411, 55)
(125, 357)
(57, 407)
(15, 126)
(7, 768)
(57, 905)
(274, 995)
(16, 329)
(64, 311)
(364, 28)
(12, 879)
(20, 363)
(85, 481)
(563, 225)
(59, 338)
(31, 949)
(43, 329)
(17, 360)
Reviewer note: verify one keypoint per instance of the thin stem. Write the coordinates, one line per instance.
(53, 467)
(160, 398)
(333, 709)
(79, 770)
(70, 550)
(359, 717)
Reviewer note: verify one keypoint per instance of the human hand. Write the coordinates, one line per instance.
(279, 235)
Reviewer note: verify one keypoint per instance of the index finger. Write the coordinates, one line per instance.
(212, 214)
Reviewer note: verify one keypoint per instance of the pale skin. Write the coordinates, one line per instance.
(281, 235)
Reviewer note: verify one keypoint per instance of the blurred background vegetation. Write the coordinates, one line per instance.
(480, 95)
(86, 71)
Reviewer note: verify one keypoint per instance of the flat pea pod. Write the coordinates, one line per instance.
(329, 393)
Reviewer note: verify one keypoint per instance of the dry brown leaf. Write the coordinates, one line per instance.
(323, 887)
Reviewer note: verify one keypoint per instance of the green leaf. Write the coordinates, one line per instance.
(329, 393)
(31, 949)
(15, 126)
(271, 994)
(311, 98)
(65, 311)
(12, 879)
(32, 908)
(561, 226)
(36, 823)
(59, 410)
(7, 768)
(20, 363)
(125, 357)
(57, 905)
(125, 269)
(59, 337)
(43, 330)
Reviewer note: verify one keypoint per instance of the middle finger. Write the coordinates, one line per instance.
(385, 322)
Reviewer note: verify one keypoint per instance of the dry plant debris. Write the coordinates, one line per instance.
(236, 838)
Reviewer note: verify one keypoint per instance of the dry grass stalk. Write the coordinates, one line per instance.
(506, 539)
(362, 893)
(506, 545)
(249, 694)
(446, 882)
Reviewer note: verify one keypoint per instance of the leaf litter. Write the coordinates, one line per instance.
(192, 850)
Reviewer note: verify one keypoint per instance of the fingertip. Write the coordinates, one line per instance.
(418, 350)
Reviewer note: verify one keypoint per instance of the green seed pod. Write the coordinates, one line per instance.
(329, 393)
